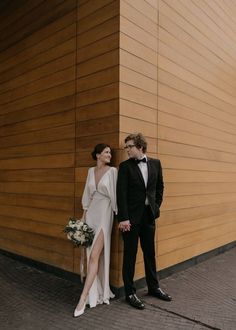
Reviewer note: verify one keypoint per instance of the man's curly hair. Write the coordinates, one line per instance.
(139, 141)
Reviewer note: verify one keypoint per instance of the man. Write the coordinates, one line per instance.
(139, 197)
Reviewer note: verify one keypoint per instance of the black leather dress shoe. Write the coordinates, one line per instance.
(134, 301)
(159, 293)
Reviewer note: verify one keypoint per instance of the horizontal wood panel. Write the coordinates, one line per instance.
(189, 64)
(38, 175)
(42, 255)
(42, 201)
(137, 95)
(190, 126)
(148, 129)
(134, 110)
(20, 7)
(97, 95)
(48, 148)
(40, 97)
(56, 217)
(61, 119)
(40, 188)
(196, 188)
(99, 47)
(208, 38)
(106, 11)
(191, 227)
(195, 115)
(99, 32)
(19, 72)
(37, 46)
(55, 106)
(137, 64)
(199, 90)
(41, 136)
(191, 212)
(98, 110)
(59, 244)
(182, 202)
(51, 161)
(92, 127)
(98, 63)
(181, 255)
(15, 84)
(180, 97)
(134, 13)
(26, 225)
(16, 31)
(190, 151)
(138, 80)
(135, 32)
(194, 48)
(172, 175)
(180, 136)
(101, 78)
(196, 164)
(87, 8)
(147, 8)
(135, 48)
(87, 143)
(53, 80)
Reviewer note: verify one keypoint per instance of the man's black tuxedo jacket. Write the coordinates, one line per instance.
(131, 190)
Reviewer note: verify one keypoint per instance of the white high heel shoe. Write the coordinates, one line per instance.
(79, 312)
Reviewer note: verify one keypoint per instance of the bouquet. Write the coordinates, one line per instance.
(79, 232)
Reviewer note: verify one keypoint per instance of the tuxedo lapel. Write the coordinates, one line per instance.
(149, 166)
(137, 171)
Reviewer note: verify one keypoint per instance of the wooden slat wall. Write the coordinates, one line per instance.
(59, 97)
(37, 131)
(177, 86)
(196, 127)
(97, 94)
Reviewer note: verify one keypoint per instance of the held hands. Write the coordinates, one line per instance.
(124, 225)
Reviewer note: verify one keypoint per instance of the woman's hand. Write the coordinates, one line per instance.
(124, 225)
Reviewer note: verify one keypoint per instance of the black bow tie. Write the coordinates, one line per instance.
(141, 160)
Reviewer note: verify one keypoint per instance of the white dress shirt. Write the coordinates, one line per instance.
(144, 170)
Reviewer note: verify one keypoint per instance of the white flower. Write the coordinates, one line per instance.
(77, 236)
(82, 239)
(80, 225)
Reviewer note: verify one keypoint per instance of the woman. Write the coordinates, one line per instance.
(99, 203)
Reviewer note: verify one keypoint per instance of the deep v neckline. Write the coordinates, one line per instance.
(96, 185)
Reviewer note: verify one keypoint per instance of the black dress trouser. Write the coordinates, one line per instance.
(145, 230)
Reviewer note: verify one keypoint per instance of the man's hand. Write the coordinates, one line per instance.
(124, 225)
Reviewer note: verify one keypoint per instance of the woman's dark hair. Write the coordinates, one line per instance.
(139, 141)
(98, 149)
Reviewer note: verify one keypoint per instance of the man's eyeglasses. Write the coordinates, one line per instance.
(129, 146)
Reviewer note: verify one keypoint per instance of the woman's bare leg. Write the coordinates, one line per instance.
(92, 268)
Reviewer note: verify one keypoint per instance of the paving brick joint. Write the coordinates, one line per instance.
(204, 297)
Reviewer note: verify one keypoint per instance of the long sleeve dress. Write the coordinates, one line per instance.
(100, 203)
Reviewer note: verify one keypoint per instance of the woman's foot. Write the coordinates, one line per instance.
(79, 310)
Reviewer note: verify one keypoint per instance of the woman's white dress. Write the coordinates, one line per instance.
(100, 203)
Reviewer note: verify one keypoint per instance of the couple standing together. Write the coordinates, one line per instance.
(135, 194)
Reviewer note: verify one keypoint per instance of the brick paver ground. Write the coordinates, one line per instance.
(204, 297)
